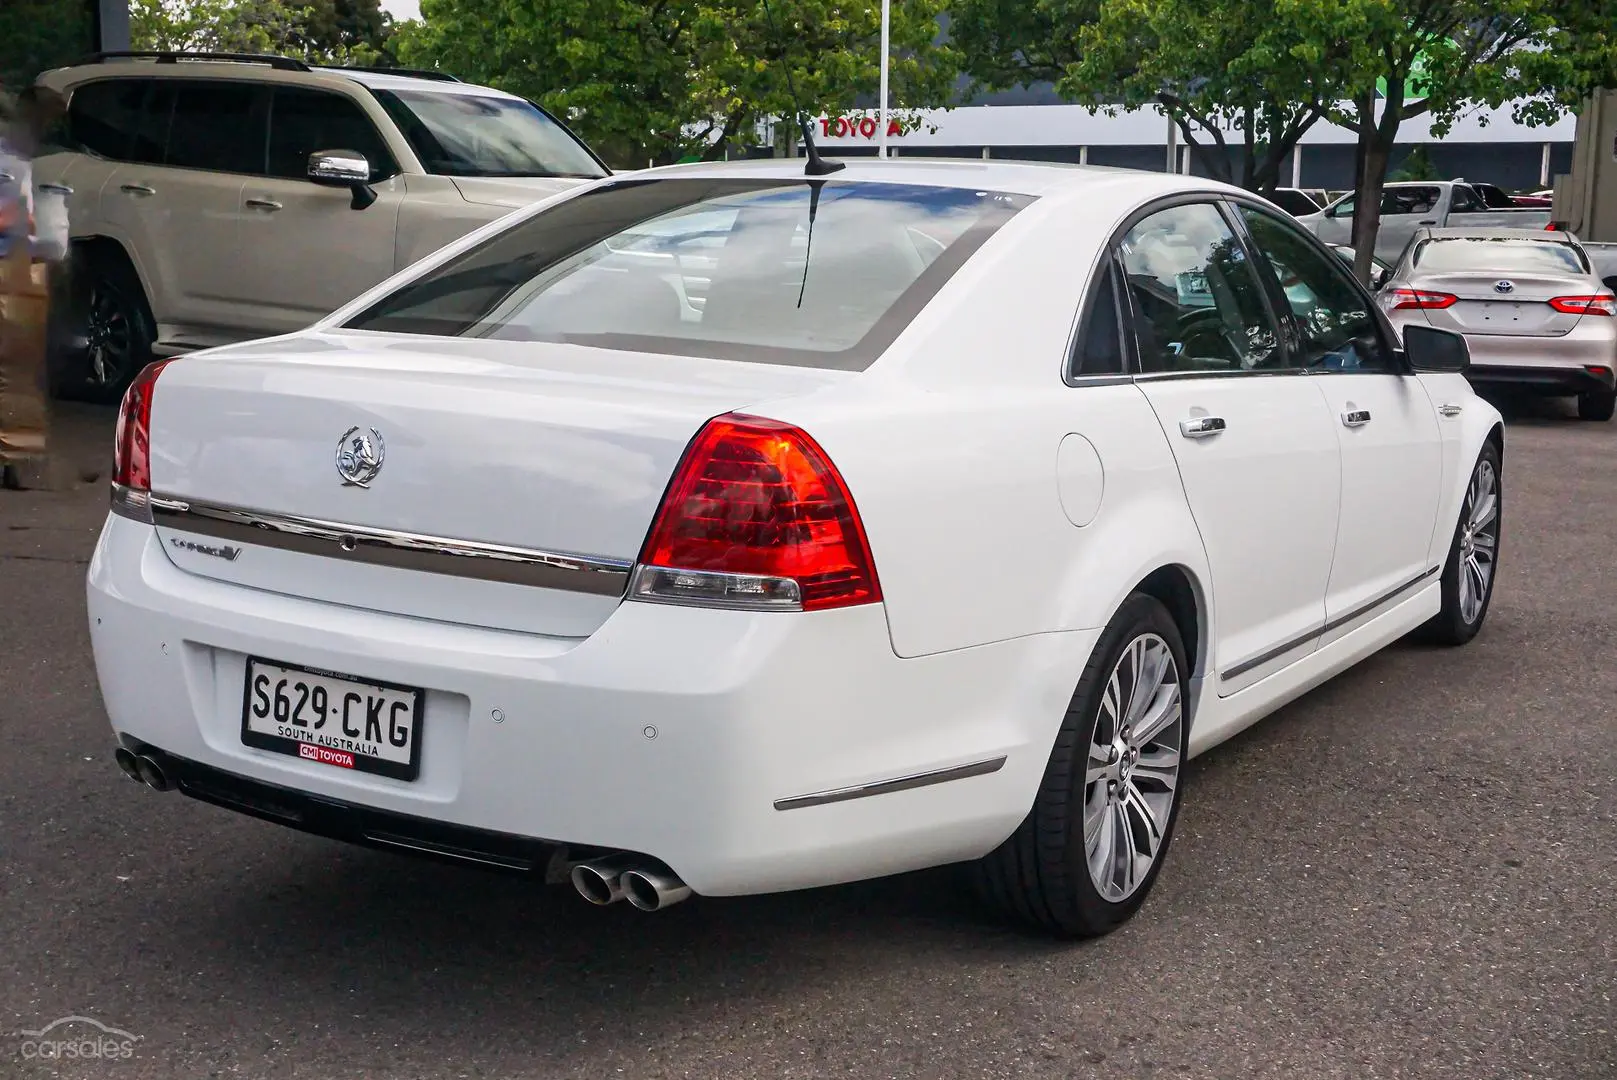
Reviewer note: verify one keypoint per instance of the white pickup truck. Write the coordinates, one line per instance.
(1406, 206)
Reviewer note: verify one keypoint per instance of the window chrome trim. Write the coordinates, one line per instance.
(1337, 623)
(898, 783)
(402, 550)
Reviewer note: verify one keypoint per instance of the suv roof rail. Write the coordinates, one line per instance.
(163, 56)
(412, 73)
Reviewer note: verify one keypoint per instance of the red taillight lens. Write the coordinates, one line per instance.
(131, 454)
(757, 517)
(1420, 298)
(1595, 304)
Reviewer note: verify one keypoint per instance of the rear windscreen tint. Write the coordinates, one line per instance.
(1497, 255)
(808, 273)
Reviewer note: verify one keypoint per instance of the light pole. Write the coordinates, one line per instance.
(886, 23)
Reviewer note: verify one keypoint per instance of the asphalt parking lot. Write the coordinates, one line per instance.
(1409, 873)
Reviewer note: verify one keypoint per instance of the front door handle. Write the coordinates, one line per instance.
(56, 189)
(137, 189)
(1201, 427)
(264, 204)
(1356, 417)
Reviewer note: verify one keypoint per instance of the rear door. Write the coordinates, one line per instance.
(1384, 422)
(173, 201)
(309, 251)
(1253, 439)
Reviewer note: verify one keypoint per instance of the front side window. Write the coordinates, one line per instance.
(458, 134)
(1197, 304)
(303, 122)
(1338, 328)
(150, 143)
(1498, 255)
(809, 273)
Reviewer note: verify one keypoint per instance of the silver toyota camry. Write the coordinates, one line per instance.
(1532, 309)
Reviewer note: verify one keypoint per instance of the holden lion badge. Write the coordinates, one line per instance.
(359, 456)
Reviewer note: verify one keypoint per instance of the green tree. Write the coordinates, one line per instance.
(1212, 65)
(666, 79)
(1417, 165)
(1542, 55)
(40, 34)
(312, 31)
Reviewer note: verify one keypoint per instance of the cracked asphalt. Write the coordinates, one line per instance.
(1408, 873)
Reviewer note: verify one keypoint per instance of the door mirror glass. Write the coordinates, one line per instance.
(339, 168)
(1378, 277)
(1434, 350)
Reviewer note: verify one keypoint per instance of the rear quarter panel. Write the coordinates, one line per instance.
(949, 445)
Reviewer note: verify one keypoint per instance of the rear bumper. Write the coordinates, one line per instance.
(1551, 365)
(669, 732)
(1543, 378)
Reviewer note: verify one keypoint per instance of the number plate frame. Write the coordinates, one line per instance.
(396, 770)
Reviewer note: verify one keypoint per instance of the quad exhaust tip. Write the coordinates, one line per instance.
(647, 886)
(144, 768)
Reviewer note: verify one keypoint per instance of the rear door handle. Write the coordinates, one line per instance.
(55, 189)
(1201, 427)
(1356, 417)
(137, 189)
(264, 204)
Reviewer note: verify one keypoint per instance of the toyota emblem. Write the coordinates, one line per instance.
(359, 456)
(1504, 286)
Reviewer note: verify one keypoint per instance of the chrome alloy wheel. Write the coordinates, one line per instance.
(1479, 541)
(1132, 775)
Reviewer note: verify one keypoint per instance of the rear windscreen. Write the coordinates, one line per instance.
(1497, 255)
(810, 273)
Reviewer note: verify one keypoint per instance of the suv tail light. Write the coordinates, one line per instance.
(1594, 304)
(131, 453)
(1420, 298)
(756, 517)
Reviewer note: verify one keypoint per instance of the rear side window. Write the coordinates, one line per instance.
(1464, 201)
(215, 126)
(1099, 348)
(102, 116)
(305, 121)
(1410, 200)
(814, 274)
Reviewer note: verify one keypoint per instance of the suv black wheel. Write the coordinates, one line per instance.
(113, 329)
(1082, 862)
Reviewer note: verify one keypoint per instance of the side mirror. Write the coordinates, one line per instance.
(1378, 278)
(1432, 350)
(344, 168)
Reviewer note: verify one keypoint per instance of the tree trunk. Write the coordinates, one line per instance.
(1376, 139)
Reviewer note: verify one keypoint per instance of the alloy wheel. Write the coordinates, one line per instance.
(1479, 541)
(1132, 775)
(109, 336)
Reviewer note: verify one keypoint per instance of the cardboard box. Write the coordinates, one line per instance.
(24, 318)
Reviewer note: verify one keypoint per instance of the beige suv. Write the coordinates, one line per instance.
(216, 197)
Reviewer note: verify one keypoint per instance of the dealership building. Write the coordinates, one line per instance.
(1484, 145)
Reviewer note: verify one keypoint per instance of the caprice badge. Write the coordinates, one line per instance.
(359, 456)
(1504, 286)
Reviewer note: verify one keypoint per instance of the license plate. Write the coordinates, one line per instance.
(331, 719)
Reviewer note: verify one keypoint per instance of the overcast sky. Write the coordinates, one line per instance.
(402, 9)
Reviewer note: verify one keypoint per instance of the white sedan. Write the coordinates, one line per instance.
(965, 506)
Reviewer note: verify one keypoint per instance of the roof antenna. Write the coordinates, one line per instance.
(817, 165)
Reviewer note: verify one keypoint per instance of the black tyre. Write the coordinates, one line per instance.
(112, 329)
(1597, 404)
(1471, 569)
(1085, 858)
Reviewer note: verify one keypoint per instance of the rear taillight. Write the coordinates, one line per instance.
(131, 454)
(1420, 298)
(1593, 304)
(756, 517)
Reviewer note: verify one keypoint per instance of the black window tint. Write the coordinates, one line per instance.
(216, 127)
(150, 142)
(1099, 349)
(1339, 331)
(1410, 200)
(304, 121)
(1198, 305)
(1465, 202)
(102, 116)
(1293, 201)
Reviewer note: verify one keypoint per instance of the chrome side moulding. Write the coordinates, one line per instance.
(898, 783)
(402, 550)
(1335, 624)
